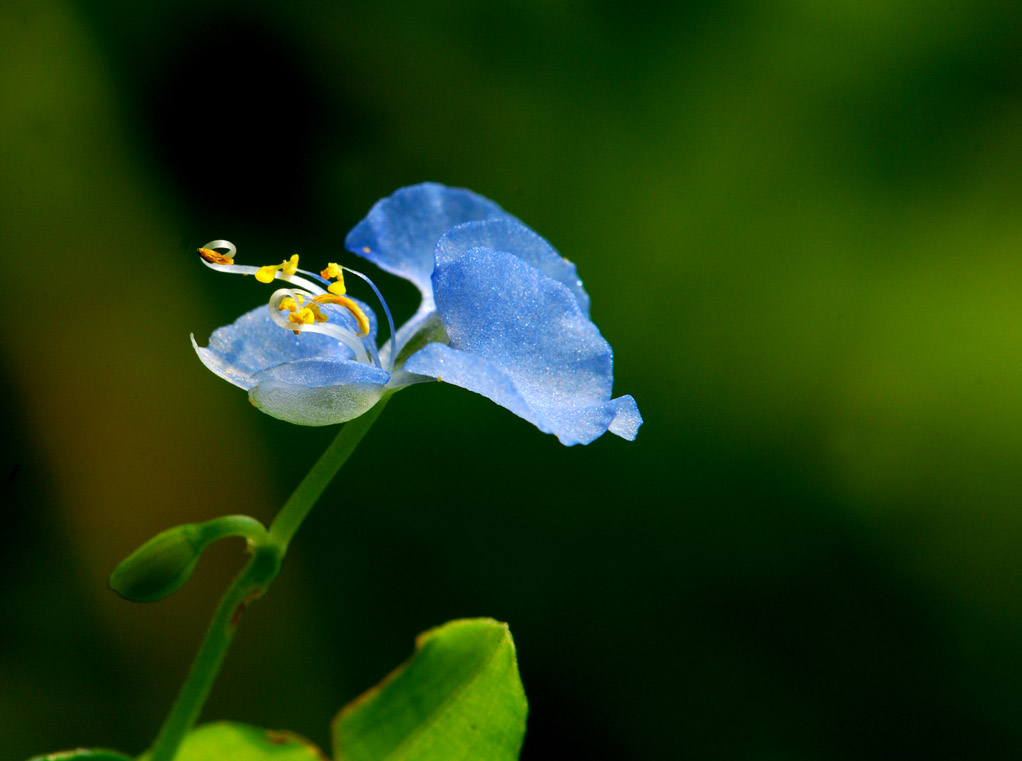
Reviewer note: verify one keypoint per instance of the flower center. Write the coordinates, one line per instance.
(298, 314)
(299, 309)
(310, 314)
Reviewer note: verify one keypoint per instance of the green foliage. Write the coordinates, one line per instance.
(459, 697)
(82, 755)
(230, 741)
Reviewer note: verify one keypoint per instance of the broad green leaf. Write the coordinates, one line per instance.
(230, 741)
(459, 698)
(82, 754)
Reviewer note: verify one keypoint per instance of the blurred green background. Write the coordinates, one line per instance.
(800, 226)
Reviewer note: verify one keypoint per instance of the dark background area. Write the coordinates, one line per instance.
(800, 227)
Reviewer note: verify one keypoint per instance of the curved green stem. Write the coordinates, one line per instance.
(232, 525)
(267, 554)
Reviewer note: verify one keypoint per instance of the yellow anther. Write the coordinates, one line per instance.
(365, 249)
(299, 317)
(351, 306)
(269, 272)
(304, 316)
(314, 308)
(289, 304)
(266, 274)
(299, 314)
(332, 270)
(214, 257)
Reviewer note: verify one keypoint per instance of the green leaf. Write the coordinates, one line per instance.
(458, 698)
(82, 754)
(230, 741)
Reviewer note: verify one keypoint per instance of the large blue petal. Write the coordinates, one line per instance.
(254, 343)
(401, 231)
(512, 235)
(318, 391)
(520, 338)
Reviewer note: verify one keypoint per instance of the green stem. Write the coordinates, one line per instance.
(316, 480)
(232, 525)
(252, 582)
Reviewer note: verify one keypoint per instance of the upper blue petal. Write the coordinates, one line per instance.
(519, 337)
(401, 231)
(511, 235)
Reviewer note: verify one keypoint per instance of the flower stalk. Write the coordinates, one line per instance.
(267, 554)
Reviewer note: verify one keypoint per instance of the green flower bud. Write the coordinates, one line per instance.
(161, 566)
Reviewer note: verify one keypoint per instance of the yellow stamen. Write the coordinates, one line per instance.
(289, 304)
(351, 306)
(314, 308)
(299, 317)
(302, 316)
(299, 314)
(269, 272)
(334, 270)
(214, 257)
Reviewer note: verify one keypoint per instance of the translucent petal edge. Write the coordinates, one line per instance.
(224, 369)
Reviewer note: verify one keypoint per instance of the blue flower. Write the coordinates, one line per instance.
(502, 314)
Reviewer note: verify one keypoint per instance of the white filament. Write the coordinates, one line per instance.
(386, 311)
(224, 244)
(247, 269)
